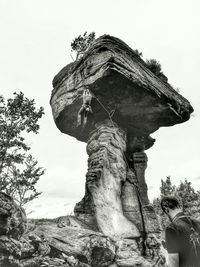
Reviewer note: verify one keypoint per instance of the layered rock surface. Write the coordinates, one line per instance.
(106, 173)
(12, 227)
(129, 103)
(12, 217)
(114, 224)
(68, 242)
(121, 80)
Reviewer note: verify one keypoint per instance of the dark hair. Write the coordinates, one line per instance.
(169, 202)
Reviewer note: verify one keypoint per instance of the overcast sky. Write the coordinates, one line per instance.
(35, 44)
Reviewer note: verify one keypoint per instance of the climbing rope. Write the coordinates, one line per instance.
(75, 99)
(110, 115)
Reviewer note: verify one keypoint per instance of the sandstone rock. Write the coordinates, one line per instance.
(129, 103)
(106, 172)
(77, 221)
(83, 244)
(85, 248)
(124, 91)
(50, 245)
(12, 217)
(122, 82)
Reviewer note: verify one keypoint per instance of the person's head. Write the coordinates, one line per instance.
(170, 206)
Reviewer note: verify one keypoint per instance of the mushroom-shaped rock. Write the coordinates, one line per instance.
(121, 85)
(111, 100)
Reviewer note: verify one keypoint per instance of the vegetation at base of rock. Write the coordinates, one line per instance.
(19, 172)
(82, 43)
(188, 196)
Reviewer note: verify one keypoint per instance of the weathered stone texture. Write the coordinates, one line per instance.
(80, 247)
(129, 103)
(140, 164)
(12, 217)
(121, 80)
(12, 225)
(106, 172)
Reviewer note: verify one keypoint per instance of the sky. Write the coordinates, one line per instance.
(35, 46)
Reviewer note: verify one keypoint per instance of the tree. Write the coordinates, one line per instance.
(82, 43)
(22, 182)
(18, 170)
(166, 187)
(189, 198)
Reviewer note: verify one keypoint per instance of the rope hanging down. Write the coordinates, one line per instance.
(110, 115)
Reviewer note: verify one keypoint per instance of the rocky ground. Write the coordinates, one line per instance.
(65, 241)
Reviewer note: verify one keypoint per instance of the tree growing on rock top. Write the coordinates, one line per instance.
(155, 67)
(19, 172)
(82, 43)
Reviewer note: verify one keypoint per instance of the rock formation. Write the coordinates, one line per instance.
(129, 103)
(12, 226)
(12, 217)
(114, 224)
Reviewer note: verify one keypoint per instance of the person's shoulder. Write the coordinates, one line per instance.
(176, 226)
(171, 228)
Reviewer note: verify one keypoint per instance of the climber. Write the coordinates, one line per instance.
(85, 109)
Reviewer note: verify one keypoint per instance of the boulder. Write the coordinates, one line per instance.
(12, 217)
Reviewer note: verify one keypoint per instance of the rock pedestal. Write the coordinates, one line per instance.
(106, 172)
(116, 198)
(114, 224)
(129, 102)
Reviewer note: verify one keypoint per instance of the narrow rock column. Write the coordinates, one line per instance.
(106, 172)
(130, 202)
(140, 165)
(149, 215)
(135, 200)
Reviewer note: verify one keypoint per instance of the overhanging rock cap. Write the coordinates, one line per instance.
(121, 81)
